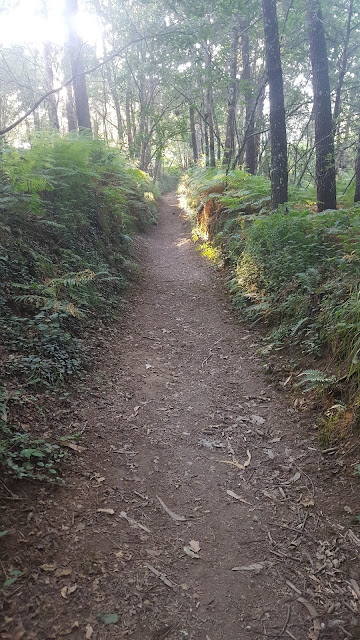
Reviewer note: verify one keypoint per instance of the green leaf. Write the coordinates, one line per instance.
(107, 618)
(3, 533)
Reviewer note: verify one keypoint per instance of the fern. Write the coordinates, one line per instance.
(315, 379)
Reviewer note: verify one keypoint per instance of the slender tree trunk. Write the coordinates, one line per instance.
(259, 117)
(128, 122)
(324, 132)
(109, 68)
(230, 123)
(279, 172)
(51, 101)
(77, 68)
(343, 65)
(206, 141)
(250, 148)
(193, 134)
(209, 112)
(217, 134)
(70, 109)
(357, 173)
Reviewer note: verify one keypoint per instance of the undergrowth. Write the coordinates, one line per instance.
(294, 269)
(68, 210)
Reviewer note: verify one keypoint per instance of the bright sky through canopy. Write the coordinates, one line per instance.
(24, 22)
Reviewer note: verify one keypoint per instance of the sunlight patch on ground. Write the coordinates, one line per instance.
(183, 241)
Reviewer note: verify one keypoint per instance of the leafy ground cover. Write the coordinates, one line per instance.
(294, 269)
(68, 210)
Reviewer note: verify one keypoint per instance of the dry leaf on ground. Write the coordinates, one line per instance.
(232, 494)
(173, 515)
(195, 546)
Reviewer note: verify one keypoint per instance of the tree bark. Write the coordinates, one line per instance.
(324, 132)
(70, 109)
(52, 106)
(193, 134)
(357, 173)
(209, 112)
(77, 68)
(343, 65)
(250, 147)
(279, 173)
(51, 101)
(230, 123)
(128, 122)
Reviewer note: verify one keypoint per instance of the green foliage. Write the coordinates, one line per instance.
(22, 456)
(68, 210)
(295, 270)
(312, 379)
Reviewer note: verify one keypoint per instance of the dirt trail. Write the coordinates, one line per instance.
(181, 403)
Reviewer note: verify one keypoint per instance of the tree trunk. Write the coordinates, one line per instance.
(209, 112)
(128, 122)
(250, 147)
(193, 134)
(70, 109)
(216, 134)
(279, 173)
(51, 101)
(324, 133)
(343, 65)
(230, 123)
(109, 69)
(77, 68)
(357, 173)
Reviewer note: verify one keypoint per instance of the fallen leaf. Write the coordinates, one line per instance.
(191, 553)
(66, 591)
(173, 515)
(238, 464)
(270, 453)
(89, 632)
(133, 522)
(314, 616)
(64, 572)
(48, 567)
(307, 502)
(295, 477)
(73, 446)
(195, 546)
(107, 618)
(160, 575)
(256, 566)
(355, 588)
(109, 511)
(235, 495)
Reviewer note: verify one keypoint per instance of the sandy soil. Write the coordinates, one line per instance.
(200, 506)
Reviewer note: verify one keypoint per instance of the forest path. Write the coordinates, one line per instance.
(177, 401)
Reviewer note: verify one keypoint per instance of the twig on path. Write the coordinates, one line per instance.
(160, 575)
(166, 633)
(286, 622)
(314, 617)
(308, 477)
(211, 354)
(14, 497)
